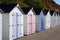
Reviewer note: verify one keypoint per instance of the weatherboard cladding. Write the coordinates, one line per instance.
(7, 7)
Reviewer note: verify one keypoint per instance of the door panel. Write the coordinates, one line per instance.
(29, 24)
(20, 26)
(42, 24)
(33, 23)
(14, 26)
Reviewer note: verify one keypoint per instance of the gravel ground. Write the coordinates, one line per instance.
(50, 34)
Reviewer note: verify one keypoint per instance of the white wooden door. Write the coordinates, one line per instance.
(48, 21)
(59, 19)
(20, 25)
(0, 26)
(14, 26)
(56, 20)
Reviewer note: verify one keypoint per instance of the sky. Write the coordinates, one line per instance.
(57, 1)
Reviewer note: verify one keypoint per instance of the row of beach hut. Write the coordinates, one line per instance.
(15, 22)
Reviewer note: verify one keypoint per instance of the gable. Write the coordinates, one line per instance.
(41, 13)
(37, 10)
(31, 12)
(51, 12)
(45, 12)
(17, 10)
(54, 14)
(48, 14)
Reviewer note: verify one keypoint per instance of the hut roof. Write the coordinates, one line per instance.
(51, 12)
(26, 10)
(58, 13)
(45, 12)
(37, 10)
(55, 13)
(7, 7)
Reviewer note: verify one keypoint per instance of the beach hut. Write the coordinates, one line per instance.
(1, 24)
(17, 21)
(20, 22)
(31, 22)
(55, 18)
(52, 18)
(37, 13)
(59, 18)
(42, 20)
(48, 20)
(11, 21)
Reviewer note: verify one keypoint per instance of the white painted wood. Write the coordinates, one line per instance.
(25, 24)
(48, 20)
(0, 26)
(10, 28)
(13, 26)
(54, 18)
(58, 19)
(20, 25)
